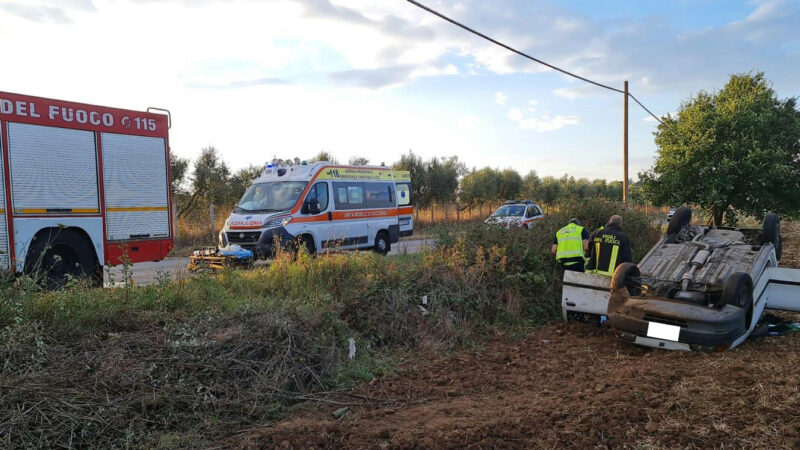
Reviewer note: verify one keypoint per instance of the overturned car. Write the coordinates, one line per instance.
(699, 288)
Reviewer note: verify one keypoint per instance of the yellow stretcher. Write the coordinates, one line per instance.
(210, 259)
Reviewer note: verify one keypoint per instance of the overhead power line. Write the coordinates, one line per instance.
(644, 107)
(525, 55)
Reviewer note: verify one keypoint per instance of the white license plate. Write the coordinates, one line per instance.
(663, 331)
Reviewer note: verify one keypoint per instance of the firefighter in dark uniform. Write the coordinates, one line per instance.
(609, 248)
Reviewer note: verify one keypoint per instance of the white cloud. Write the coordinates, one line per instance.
(468, 122)
(542, 123)
(575, 93)
(500, 98)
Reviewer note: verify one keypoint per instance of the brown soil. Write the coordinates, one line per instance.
(571, 386)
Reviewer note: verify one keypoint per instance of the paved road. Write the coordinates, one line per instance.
(175, 268)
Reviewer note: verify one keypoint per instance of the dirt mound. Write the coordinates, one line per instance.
(568, 386)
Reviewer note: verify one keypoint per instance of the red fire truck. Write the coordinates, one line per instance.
(81, 186)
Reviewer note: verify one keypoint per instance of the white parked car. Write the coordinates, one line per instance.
(523, 213)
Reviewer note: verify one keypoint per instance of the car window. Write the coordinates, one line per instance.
(349, 195)
(319, 193)
(510, 210)
(379, 195)
(403, 194)
(355, 194)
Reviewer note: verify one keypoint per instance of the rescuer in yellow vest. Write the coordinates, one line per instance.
(570, 244)
(609, 248)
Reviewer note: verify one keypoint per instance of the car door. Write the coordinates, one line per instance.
(532, 214)
(317, 223)
(350, 217)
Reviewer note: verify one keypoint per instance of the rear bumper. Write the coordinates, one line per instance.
(700, 326)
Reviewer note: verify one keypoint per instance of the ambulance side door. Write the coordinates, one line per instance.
(380, 198)
(349, 216)
(316, 214)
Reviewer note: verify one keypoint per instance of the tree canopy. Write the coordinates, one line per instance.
(737, 149)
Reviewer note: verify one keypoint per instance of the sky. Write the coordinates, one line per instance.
(260, 79)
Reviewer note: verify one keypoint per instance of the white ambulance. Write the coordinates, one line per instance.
(322, 206)
(81, 186)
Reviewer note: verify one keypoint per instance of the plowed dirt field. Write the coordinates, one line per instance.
(569, 386)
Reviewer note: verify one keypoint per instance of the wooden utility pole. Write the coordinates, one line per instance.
(625, 146)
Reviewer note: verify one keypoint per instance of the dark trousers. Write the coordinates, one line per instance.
(575, 267)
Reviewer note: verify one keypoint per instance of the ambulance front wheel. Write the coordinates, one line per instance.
(306, 243)
(382, 245)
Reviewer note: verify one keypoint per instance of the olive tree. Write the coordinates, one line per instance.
(737, 149)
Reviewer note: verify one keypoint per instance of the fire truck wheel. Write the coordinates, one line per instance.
(382, 245)
(57, 256)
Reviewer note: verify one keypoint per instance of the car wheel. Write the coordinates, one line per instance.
(625, 277)
(771, 232)
(382, 245)
(305, 243)
(738, 291)
(681, 218)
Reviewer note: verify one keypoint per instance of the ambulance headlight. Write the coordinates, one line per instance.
(223, 239)
(278, 222)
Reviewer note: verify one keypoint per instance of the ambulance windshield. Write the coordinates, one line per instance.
(271, 197)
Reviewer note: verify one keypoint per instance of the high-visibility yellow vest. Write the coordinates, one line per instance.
(570, 243)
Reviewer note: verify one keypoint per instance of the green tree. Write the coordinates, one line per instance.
(416, 166)
(358, 161)
(510, 185)
(177, 168)
(480, 186)
(735, 149)
(550, 190)
(242, 179)
(530, 184)
(442, 179)
(209, 183)
(324, 156)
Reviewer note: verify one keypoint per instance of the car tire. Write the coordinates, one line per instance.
(305, 243)
(681, 218)
(771, 232)
(623, 277)
(738, 291)
(57, 255)
(382, 245)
